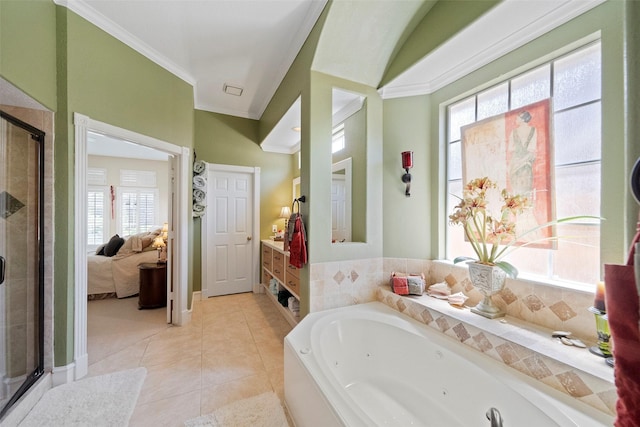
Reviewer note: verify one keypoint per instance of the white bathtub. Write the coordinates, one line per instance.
(369, 365)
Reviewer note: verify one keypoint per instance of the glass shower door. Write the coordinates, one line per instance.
(21, 259)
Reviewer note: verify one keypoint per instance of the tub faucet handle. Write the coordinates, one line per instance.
(494, 416)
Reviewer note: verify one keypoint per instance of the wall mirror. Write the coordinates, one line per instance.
(349, 167)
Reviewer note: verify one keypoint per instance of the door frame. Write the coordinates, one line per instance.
(179, 206)
(255, 232)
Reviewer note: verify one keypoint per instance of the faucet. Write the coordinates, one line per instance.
(494, 416)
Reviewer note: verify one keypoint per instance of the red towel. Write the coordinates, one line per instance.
(400, 285)
(623, 313)
(298, 246)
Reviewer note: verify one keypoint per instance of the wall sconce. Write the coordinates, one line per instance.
(407, 163)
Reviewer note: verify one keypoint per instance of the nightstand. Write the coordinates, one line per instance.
(153, 285)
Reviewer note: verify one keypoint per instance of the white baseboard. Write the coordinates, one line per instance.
(82, 366)
(196, 296)
(63, 374)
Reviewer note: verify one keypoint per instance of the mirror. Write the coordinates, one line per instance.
(349, 167)
(296, 188)
(341, 201)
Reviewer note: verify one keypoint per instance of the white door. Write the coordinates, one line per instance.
(228, 233)
(340, 214)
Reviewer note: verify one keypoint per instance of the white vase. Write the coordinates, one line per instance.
(489, 280)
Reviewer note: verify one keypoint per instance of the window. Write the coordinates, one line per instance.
(138, 201)
(573, 82)
(97, 196)
(337, 141)
(138, 207)
(97, 216)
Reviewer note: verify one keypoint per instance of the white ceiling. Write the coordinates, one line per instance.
(249, 44)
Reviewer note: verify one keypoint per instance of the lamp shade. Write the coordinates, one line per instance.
(285, 212)
(158, 242)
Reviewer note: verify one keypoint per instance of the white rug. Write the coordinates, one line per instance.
(106, 400)
(263, 410)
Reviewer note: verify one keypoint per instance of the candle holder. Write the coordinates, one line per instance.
(603, 349)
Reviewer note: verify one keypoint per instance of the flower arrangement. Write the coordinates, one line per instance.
(492, 238)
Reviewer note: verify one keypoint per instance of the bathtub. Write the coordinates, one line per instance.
(369, 365)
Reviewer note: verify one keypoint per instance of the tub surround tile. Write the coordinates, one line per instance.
(519, 345)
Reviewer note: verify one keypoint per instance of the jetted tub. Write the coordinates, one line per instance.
(369, 365)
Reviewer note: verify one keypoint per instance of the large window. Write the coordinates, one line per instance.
(138, 201)
(97, 212)
(138, 207)
(97, 216)
(573, 83)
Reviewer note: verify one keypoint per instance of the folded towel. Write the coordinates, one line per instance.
(400, 285)
(458, 299)
(200, 182)
(439, 290)
(199, 167)
(416, 285)
(198, 195)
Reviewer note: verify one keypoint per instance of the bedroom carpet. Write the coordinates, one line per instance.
(263, 410)
(106, 400)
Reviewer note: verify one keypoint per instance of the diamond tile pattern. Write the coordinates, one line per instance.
(9, 205)
(593, 391)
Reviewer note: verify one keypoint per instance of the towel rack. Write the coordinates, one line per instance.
(296, 202)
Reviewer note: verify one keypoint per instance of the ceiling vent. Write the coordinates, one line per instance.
(232, 90)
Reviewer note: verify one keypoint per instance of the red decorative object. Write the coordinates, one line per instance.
(407, 159)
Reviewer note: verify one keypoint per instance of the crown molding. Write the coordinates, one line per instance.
(90, 14)
(532, 27)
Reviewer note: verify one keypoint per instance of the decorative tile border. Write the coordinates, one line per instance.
(596, 391)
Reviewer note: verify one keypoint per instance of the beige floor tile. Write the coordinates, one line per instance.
(222, 368)
(171, 379)
(213, 398)
(231, 350)
(128, 358)
(170, 412)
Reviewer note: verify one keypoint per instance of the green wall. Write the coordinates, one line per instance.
(232, 140)
(419, 122)
(407, 232)
(28, 48)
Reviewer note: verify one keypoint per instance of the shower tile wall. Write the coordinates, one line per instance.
(43, 120)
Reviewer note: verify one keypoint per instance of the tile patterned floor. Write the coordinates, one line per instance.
(231, 350)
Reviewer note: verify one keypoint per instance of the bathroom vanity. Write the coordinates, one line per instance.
(275, 265)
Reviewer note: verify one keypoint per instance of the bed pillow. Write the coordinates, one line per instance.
(113, 246)
(100, 249)
(137, 243)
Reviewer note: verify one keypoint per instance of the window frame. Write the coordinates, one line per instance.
(507, 78)
(104, 189)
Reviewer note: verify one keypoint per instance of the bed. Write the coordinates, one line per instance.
(118, 274)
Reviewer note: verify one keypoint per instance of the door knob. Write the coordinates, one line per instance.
(248, 238)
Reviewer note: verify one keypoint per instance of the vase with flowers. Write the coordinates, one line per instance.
(493, 237)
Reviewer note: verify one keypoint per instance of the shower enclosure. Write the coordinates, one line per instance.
(21, 258)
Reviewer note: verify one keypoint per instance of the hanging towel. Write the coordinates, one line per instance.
(623, 312)
(298, 244)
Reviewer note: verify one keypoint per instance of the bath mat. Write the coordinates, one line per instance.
(105, 400)
(263, 410)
